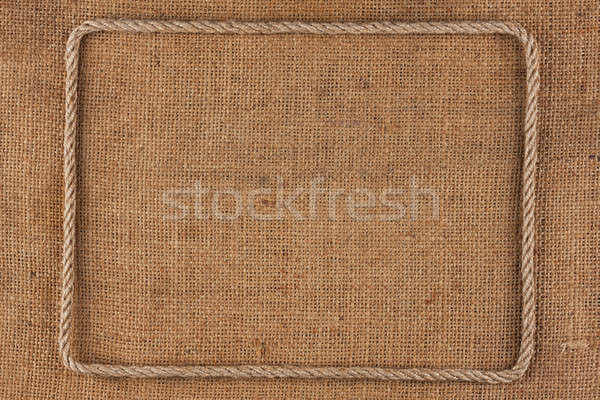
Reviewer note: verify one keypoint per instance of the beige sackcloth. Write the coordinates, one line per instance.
(162, 113)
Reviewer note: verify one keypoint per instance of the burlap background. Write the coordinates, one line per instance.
(163, 112)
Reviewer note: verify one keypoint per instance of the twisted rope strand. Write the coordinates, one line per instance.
(528, 320)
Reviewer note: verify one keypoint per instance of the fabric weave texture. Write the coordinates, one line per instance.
(171, 113)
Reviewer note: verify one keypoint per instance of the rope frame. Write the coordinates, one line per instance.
(528, 181)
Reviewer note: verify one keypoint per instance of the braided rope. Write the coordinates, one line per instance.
(528, 322)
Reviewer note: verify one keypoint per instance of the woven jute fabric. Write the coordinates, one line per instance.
(167, 120)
